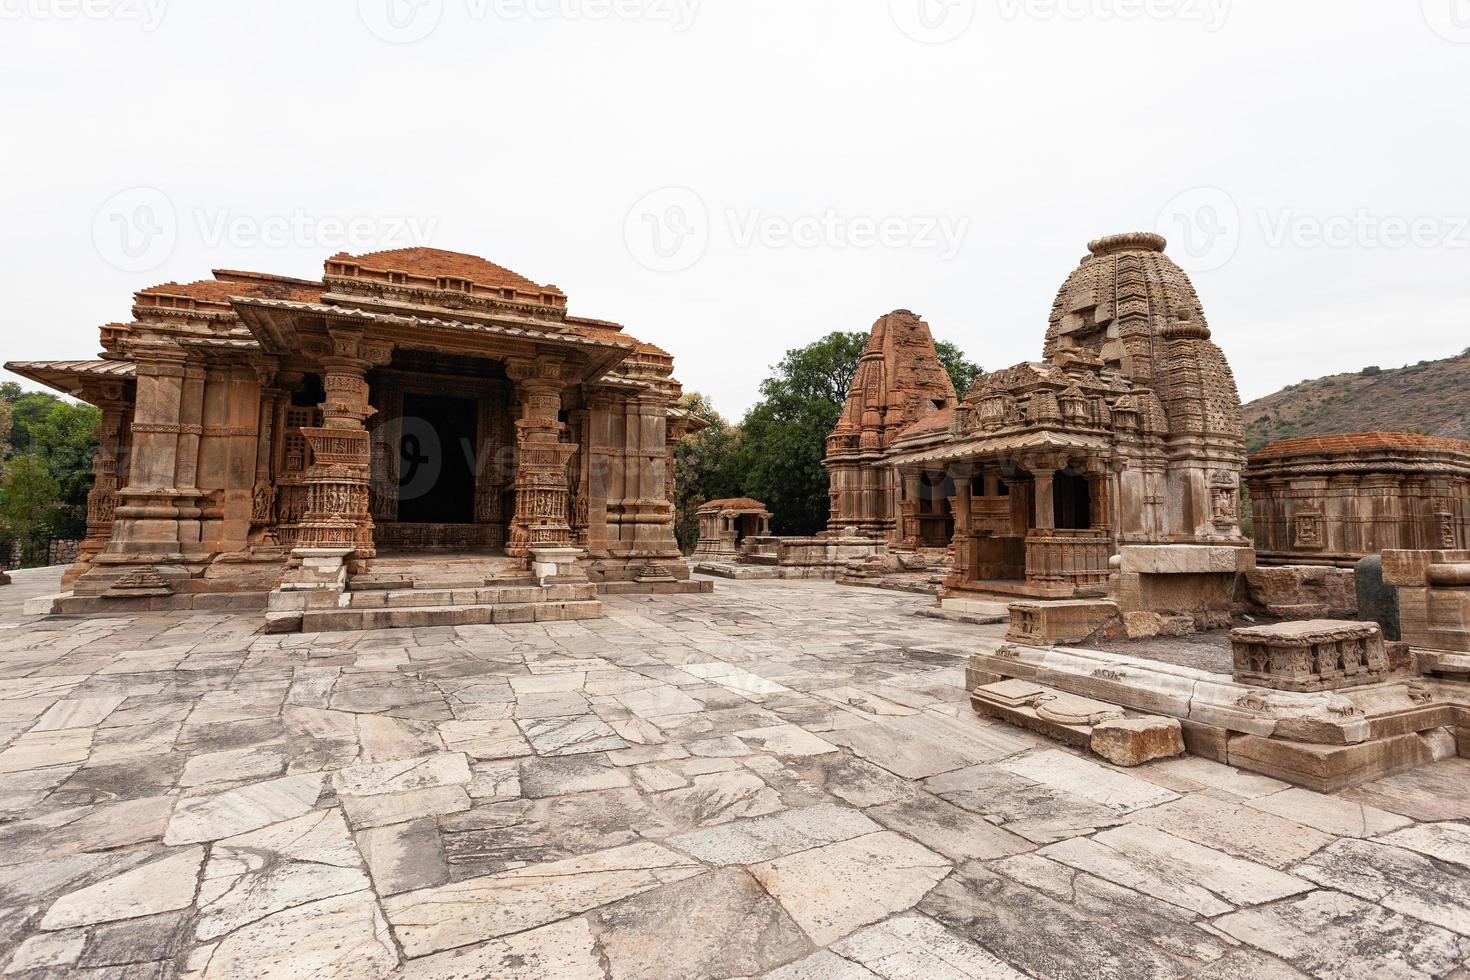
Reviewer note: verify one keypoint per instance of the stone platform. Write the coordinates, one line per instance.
(1326, 741)
(769, 782)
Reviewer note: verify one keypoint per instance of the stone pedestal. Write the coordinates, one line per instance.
(317, 579)
(1180, 579)
(1316, 655)
(1434, 597)
(558, 566)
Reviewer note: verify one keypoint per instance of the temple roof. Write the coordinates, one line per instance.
(227, 283)
(70, 376)
(434, 263)
(1359, 442)
(989, 447)
(735, 504)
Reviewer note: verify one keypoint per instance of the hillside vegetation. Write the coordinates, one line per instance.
(1431, 398)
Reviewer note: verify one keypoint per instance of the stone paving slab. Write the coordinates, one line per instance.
(772, 780)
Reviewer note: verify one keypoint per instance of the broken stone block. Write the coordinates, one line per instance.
(1133, 741)
(1067, 622)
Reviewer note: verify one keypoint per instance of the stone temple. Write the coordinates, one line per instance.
(1126, 433)
(417, 418)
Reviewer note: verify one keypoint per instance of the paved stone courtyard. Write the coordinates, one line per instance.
(772, 781)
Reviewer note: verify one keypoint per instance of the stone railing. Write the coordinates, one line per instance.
(1077, 558)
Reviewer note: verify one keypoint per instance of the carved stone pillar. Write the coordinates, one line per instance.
(149, 504)
(542, 492)
(263, 497)
(337, 514)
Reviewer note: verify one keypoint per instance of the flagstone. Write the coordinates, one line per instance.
(146, 940)
(821, 965)
(390, 808)
(834, 889)
(238, 811)
(919, 947)
(1038, 812)
(788, 740)
(45, 750)
(941, 826)
(1078, 777)
(571, 736)
(373, 779)
(1449, 842)
(720, 924)
(1331, 934)
(48, 951)
(764, 838)
(458, 914)
(258, 874)
(562, 950)
(718, 797)
(1175, 870)
(77, 713)
(344, 937)
(163, 885)
(233, 765)
(404, 856)
(1235, 829)
(1395, 878)
(1329, 814)
(572, 774)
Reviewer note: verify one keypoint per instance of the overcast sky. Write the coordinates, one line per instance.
(732, 178)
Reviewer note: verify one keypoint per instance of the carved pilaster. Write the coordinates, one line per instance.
(542, 492)
(337, 509)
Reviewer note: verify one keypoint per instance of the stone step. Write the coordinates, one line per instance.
(495, 595)
(336, 620)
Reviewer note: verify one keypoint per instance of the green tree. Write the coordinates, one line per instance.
(962, 370)
(786, 431)
(61, 435)
(706, 467)
(27, 500)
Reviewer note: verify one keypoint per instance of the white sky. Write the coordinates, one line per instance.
(536, 142)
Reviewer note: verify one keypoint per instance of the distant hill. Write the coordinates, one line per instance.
(1431, 398)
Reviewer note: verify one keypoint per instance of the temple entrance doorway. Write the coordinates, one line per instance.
(746, 526)
(1071, 501)
(444, 455)
(436, 464)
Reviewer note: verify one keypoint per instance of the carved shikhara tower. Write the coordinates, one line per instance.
(1128, 432)
(898, 382)
(410, 401)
